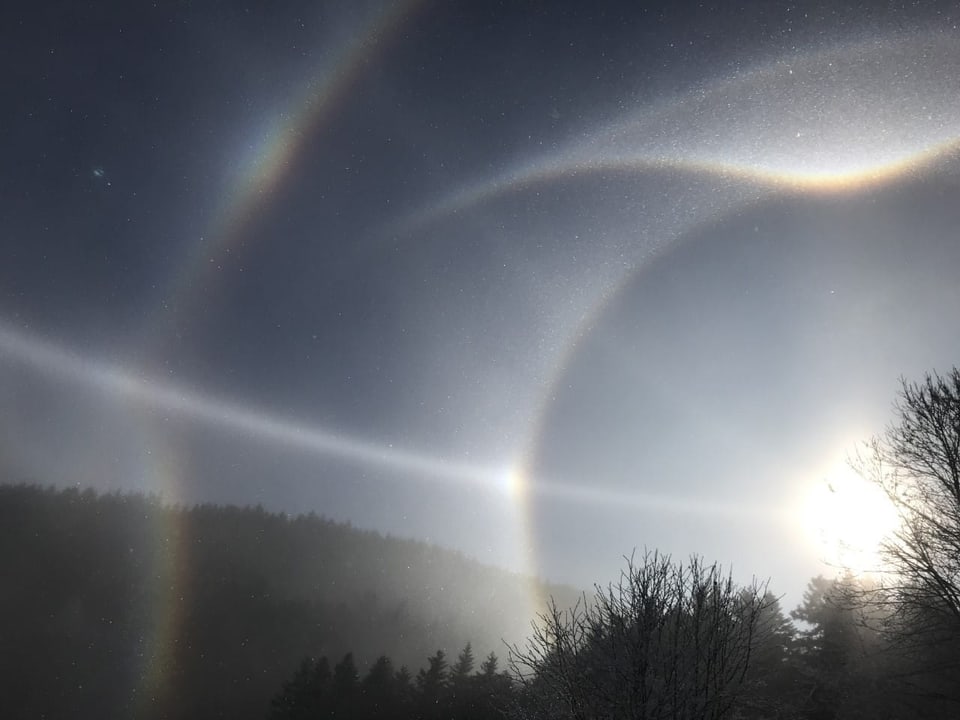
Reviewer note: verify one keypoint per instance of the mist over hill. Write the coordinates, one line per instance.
(120, 605)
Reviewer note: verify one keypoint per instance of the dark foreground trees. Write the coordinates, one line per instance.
(438, 692)
(670, 640)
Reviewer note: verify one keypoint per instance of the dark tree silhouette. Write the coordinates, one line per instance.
(378, 691)
(771, 687)
(345, 686)
(406, 692)
(916, 463)
(433, 685)
(383, 694)
(463, 668)
(307, 694)
(488, 668)
(828, 649)
(669, 640)
(463, 686)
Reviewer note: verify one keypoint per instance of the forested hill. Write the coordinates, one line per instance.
(123, 606)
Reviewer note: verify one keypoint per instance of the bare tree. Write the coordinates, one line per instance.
(916, 601)
(916, 463)
(667, 641)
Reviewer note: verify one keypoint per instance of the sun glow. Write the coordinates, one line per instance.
(513, 483)
(848, 519)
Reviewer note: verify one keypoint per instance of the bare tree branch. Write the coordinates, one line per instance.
(667, 641)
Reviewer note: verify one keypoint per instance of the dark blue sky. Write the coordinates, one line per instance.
(663, 263)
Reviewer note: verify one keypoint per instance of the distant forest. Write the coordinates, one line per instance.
(120, 606)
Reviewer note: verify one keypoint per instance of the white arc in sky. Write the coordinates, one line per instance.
(837, 118)
(46, 357)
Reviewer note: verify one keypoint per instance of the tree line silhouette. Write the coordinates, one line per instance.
(437, 691)
(828, 659)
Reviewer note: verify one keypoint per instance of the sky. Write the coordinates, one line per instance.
(539, 282)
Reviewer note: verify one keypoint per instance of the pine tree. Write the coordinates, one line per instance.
(464, 665)
(306, 694)
(463, 685)
(830, 653)
(432, 685)
(378, 690)
(488, 668)
(345, 685)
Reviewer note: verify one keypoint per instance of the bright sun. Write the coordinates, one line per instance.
(512, 482)
(848, 519)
